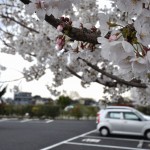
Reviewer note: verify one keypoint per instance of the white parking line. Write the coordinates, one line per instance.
(120, 139)
(3, 119)
(25, 120)
(91, 140)
(140, 144)
(49, 121)
(105, 146)
(63, 142)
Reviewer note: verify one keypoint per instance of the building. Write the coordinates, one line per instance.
(22, 98)
(88, 102)
(38, 100)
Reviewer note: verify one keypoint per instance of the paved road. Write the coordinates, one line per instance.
(62, 135)
(35, 134)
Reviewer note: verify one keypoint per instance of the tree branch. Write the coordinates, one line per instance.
(119, 80)
(108, 84)
(73, 33)
(21, 24)
(12, 80)
(7, 44)
(25, 1)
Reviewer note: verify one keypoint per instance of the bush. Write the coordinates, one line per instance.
(8, 110)
(77, 112)
(2, 109)
(144, 109)
(51, 111)
(38, 111)
(90, 111)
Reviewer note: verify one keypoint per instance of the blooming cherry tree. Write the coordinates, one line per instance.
(110, 47)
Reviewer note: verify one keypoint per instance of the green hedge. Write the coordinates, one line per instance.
(47, 111)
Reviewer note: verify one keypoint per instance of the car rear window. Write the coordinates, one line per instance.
(114, 115)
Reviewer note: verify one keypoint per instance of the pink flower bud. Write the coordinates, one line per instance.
(112, 38)
(58, 41)
(58, 47)
(59, 28)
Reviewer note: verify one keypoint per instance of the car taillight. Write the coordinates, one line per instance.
(98, 118)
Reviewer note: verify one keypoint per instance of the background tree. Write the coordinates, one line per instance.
(77, 111)
(63, 101)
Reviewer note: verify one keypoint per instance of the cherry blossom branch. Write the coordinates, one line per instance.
(21, 24)
(6, 32)
(25, 1)
(119, 80)
(7, 44)
(12, 80)
(108, 84)
(73, 33)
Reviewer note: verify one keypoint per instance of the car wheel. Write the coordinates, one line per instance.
(104, 132)
(147, 134)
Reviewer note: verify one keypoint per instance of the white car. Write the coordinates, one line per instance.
(123, 120)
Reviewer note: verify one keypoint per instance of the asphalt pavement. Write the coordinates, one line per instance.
(36, 134)
(31, 134)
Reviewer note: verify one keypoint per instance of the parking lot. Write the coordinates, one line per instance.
(28, 134)
(92, 140)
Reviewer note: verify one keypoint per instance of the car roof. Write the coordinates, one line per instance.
(119, 107)
(116, 110)
(119, 110)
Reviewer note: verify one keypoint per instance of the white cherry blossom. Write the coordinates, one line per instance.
(139, 65)
(103, 20)
(38, 6)
(115, 51)
(130, 6)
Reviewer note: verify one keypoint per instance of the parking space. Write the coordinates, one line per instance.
(93, 140)
(35, 134)
(25, 120)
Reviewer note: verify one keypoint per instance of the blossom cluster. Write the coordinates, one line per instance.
(128, 44)
(48, 7)
(124, 39)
